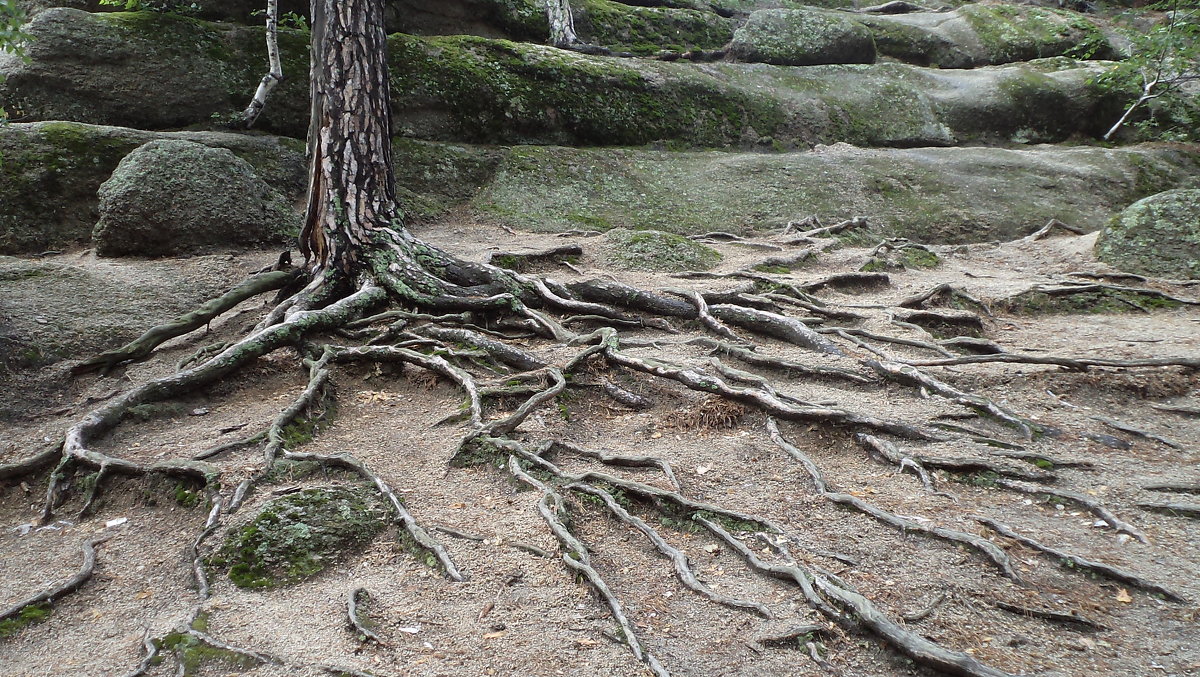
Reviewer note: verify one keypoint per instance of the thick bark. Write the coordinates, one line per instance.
(562, 23)
(352, 195)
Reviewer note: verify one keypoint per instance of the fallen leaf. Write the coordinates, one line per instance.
(1123, 596)
(457, 506)
(495, 635)
(702, 469)
(412, 631)
(712, 548)
(145, 594)
(586, 642)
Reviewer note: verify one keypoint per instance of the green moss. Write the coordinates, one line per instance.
(919, 257)
(194, 654)
(1011, 33)
(1103, 301)
(303, 429)
(28, 615)
(647, 30)
(499, 91)
(657, 251)
(477, 453)
(296, 536)
(186, 497)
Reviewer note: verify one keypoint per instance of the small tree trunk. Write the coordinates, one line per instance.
(562, 24)
(275, 73)
(351, 196)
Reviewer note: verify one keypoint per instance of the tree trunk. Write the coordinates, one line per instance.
(351, 196)
(562, 23)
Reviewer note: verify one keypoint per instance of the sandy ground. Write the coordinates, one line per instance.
(523, 614)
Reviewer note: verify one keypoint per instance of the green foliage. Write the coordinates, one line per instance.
(12, 38)
(12, 17)
(1164, 58)
(162, 6)
(287, 19)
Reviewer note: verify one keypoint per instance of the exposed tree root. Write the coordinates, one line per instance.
(892, 454)
(683, 568)
(147, 342)
(1179, 509)
(1074, 618)
(63, 589)
(352, 614)
(1072, 363)
(459, 324)
(862, 613)
(1087, 502)
(909, 375)
(1050, 227)
(1071, 561)
(50, 455)
(980, 545)
(1125, 427)
(623, 461)
(577, 558)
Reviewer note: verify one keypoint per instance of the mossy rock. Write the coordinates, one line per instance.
(296, 536)
(647, 30)
(65, 308)
(50, 173)
(654, 250)
(801, 37)
(983, 34)
(166, 72)
(150, 71)
(1158, 236)
(172, 196)
(1011, 33)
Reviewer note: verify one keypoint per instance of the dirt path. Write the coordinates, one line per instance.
(523, 613)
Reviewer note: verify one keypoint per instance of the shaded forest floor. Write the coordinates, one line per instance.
(522, 612)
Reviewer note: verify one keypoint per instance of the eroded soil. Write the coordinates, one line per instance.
(523, 613)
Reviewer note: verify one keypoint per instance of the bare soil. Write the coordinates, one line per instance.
(524, 614)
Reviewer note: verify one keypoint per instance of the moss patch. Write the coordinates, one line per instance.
(657, 251)
(33, 613)
(1103, 301)
(647, 30)
(194, 654)
(296, 536)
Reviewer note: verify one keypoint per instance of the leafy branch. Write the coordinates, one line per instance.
(1164, 58)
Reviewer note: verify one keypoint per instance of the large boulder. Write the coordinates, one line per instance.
(50, 172)
(983, 34)
(802, 37)
(172, 196)
(1158, 236)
